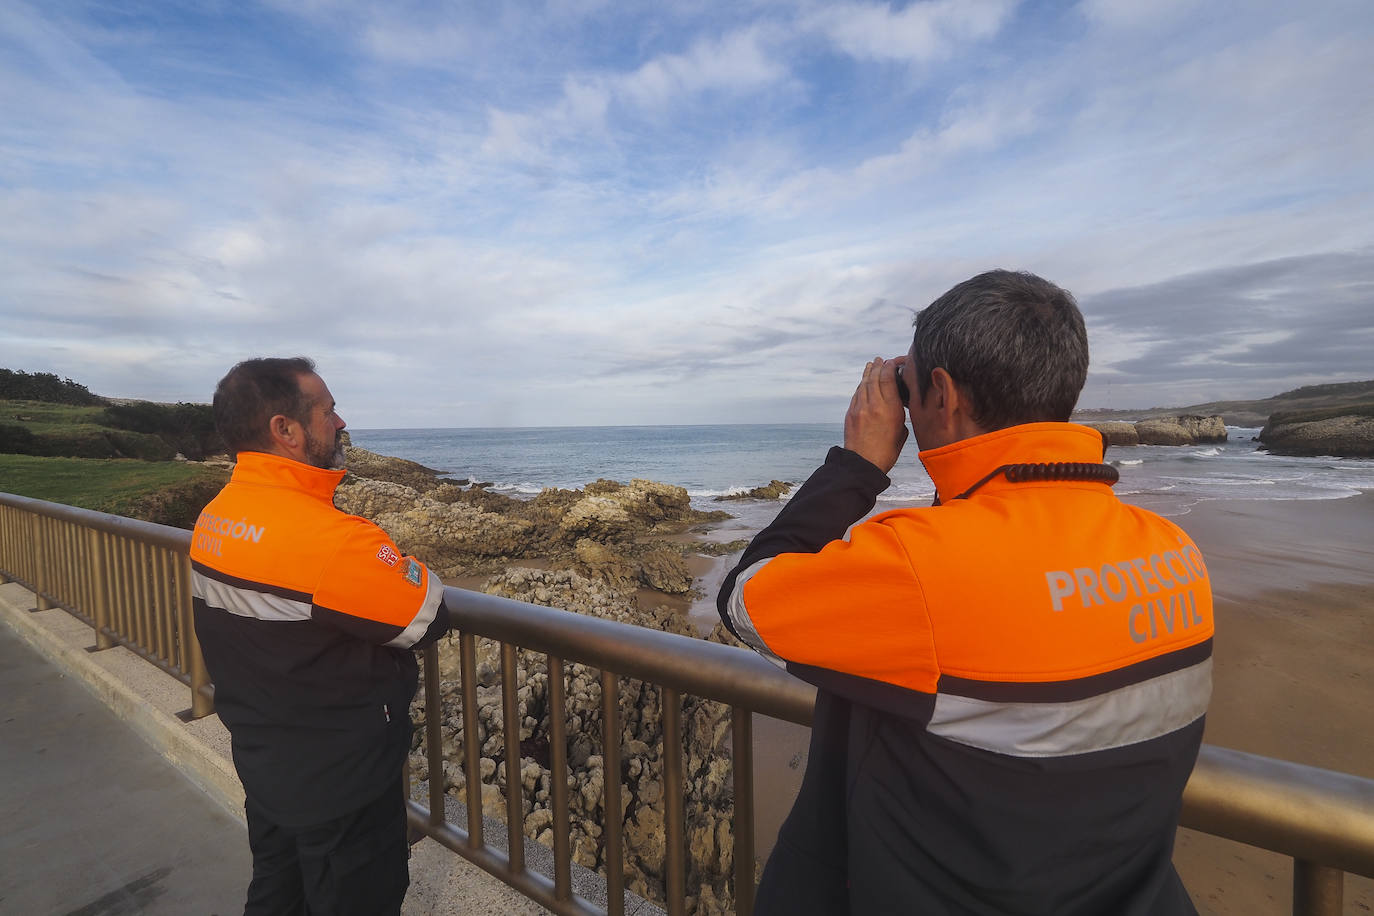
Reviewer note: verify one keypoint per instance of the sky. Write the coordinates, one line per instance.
(590, 213)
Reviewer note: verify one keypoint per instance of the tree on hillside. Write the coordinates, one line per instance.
(46, 387)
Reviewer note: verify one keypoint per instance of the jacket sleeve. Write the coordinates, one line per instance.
(373, 592)
(816, 602)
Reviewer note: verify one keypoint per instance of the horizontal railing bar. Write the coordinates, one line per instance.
(705, 669)
(137, 529)
(538, 887)
(1305, 812)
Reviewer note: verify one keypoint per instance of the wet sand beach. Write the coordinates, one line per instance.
(1294, 669)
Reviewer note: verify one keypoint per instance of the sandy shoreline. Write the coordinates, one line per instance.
(1294, 679)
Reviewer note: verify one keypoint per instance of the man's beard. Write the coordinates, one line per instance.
(324, 454)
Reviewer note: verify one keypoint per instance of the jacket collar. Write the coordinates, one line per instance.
(263, 469)
(959, 465)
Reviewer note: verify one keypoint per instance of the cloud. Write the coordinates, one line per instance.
(1234, 330)
(733, 63)
(919, 32)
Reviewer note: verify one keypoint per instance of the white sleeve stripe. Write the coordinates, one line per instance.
(245, 602)
(1127, 715)
(424, 616)
(739, 615)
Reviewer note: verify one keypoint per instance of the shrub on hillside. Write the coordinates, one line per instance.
(186, 428)
(17, 440)
(95, 442)
(44, 386)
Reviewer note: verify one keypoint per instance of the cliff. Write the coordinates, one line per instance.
(1346, 432)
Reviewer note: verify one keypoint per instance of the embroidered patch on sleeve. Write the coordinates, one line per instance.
(414, 573)
(387, 555)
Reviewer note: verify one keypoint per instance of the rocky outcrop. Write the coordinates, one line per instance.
(1186, 429)
(1332, 432)
(616, 533)
(362, 463)
(706, 726)
(1117, 432)
(657, 567)
(775, 489)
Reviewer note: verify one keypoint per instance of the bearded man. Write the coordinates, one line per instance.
(308, 619)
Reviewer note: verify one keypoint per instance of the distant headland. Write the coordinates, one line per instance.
(1335, 419)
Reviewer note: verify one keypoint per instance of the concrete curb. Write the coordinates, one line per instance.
(211, 772)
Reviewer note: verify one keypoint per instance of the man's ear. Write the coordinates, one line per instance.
(954, 407)
(943, 389)
(283, 430)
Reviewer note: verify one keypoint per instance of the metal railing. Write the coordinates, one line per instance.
(129, 580)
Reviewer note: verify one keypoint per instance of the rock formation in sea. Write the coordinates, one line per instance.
(1186, 429)
(1342, 432)
(775, 489)
(1117, 432)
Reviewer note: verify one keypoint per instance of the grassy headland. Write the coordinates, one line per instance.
(1339, 398)
(61, 443)
(166, 492)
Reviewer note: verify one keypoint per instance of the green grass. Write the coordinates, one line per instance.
(168, 492)
(84, 432)
(152, 432)
(39, 417)
(1322, 413)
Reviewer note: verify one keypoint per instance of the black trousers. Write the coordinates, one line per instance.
(355, 865)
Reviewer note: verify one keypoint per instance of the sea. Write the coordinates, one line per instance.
(719, 460)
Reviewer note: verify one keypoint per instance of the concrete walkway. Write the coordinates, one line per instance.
(96, 822)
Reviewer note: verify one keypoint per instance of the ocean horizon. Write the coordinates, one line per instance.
(715, 460)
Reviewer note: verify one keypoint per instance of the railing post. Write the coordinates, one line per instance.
(674, 814)
(612, 828)
(434, 735)
(472, 769)
(558, 779)
(742, 745)
(100, 605)
(1318, 890)
(201, 702)
(41, 574)
(515, 813)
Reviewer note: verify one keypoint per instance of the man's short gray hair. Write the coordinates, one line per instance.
(1013, 342)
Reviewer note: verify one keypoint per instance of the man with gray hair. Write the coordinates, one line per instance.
(1011, 682)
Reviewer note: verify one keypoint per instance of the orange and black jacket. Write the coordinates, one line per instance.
(307, 618)
(1012, 686)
